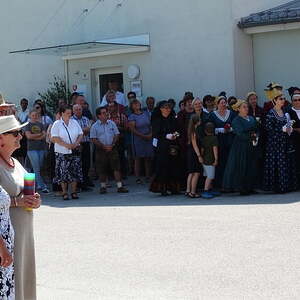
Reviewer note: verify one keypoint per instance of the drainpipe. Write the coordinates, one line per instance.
(67, 75)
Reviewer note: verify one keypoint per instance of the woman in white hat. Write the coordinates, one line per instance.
(12, 180)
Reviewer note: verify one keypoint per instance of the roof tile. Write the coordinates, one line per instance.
(286, 13)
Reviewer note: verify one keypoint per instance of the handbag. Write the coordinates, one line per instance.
(77, 151)
(174, 150)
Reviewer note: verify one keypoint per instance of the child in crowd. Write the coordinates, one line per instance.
(194, 158)
(209, 152)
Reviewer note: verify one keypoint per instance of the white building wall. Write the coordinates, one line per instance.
(195, 45)
(191, 45)
(243, 44)
(20, 24)
(276, 59)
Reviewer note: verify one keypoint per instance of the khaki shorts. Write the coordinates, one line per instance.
(106, 161)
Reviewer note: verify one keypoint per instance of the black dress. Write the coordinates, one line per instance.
(193, 164)
(225, 141)
(279, 167)
(167, 168)
(295, 138)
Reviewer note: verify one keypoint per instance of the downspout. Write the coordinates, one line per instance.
(66, 67)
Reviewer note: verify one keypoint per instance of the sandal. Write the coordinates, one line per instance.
(65, 197)
(74, 196)
(192, 195)
(186, 194)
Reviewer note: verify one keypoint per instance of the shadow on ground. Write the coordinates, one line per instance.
(140, 196)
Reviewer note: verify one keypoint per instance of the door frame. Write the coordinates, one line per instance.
(104, 71)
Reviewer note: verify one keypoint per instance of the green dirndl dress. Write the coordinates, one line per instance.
(241, 168)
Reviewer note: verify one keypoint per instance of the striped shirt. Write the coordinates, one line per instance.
(83, 123)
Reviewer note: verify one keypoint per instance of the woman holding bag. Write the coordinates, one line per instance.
(66, 134)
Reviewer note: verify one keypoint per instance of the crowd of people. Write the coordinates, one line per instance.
(202, 149)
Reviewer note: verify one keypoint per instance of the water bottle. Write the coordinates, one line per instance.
(29, 186)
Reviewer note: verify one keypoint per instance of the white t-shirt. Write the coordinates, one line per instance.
(23, 116)
(120, 98)
(59, 130)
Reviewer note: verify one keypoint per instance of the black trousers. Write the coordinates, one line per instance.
(85, 160)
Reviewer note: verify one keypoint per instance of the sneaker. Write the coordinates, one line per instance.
(207, 195)
(215, 193)
(45, 191)
(122, 190)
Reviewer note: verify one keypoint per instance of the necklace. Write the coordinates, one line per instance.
(10, 165)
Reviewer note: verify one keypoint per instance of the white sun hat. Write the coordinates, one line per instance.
(10, 123)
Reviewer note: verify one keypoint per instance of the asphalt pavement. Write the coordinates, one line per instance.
(142, 246)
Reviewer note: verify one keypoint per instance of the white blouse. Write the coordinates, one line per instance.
(60, 129)
(297, 111)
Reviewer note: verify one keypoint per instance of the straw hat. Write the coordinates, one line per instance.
(250, 94)
(6, 108)
(238, 104)
(273, 90)
(10, 123)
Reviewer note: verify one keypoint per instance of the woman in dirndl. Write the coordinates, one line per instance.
(279, 168)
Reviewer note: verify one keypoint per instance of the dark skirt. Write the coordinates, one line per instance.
(193, 164)
(168, 170)
(67, 168)
(242, 167)
(225, 142)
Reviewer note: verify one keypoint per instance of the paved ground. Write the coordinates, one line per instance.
(142, 246)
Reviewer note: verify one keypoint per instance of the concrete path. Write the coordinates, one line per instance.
(141, 246)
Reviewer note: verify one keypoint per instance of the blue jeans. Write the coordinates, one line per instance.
(37, 159)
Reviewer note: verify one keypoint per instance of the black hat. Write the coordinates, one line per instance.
(292, 90)
(223, 94)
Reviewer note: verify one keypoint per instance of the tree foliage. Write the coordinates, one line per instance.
(56, 91)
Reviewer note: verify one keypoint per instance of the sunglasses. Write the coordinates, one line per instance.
(14, 133)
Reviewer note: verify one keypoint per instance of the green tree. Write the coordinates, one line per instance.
(57, 90)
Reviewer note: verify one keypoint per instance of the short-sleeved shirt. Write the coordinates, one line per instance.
(59, 130)
(207, 143)
(23, 116)
(120, 98)
(83, 123)
(35, 128)
(104, 132)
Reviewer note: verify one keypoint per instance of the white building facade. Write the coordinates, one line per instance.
(193, 46)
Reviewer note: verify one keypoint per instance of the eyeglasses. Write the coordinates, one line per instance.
(296, 100)
(14, 133)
